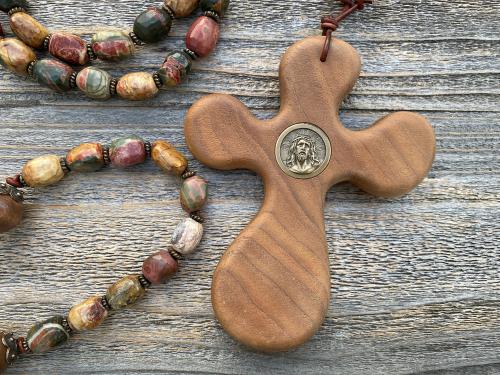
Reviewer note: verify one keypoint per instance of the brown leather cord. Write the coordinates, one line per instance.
(331, 22)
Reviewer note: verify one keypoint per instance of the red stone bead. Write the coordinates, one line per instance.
(202, 36)
(69, 47)
(159, 267)
(11, 213)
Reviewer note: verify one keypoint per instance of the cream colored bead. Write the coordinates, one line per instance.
(43, 171)
(182, 8)
(187, 236)
(28, 29)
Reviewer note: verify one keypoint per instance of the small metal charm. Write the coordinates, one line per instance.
(303, 151)
(14, 193)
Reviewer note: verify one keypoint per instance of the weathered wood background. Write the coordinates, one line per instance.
(415, 281)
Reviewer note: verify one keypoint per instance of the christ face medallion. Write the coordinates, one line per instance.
(303, 151)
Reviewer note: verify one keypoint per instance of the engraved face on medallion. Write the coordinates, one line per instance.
(303, 151)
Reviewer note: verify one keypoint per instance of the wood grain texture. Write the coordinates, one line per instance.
(271, 288)
(415, 283)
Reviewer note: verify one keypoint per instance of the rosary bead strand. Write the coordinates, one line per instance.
(201, 39)
(156, 269)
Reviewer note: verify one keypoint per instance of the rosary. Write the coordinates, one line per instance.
(271, 289)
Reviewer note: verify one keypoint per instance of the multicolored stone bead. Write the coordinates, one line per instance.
(128, 151)
(43, 171)
(6, 5)
(175, 69)
(16, 56)
(69, 47)
(11, 213)
(159, 267)
(87, 315)
(28, 29)
(152, 25)
(217, 6)
(112, 45)
(194, 194)
(125, 292)
(202, 36)
(187, 236)
(53, 74)
(168, 158)
(47, 335)
(94, 82)
(136, 86)
(87, 157)
(181, 8)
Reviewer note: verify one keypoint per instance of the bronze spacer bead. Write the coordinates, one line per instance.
(212, 15)
(105, 303)
(66, 326)
(169, 11)
(112, 86)
(16, 10)
(30, 68)
(90, 52)
(105, 155)
(190, 54)
(46, 41)
(148, 148)
(197, 217)
(145, 283)
(72, 80)
(188, 174)
(157, 80)
(135, 39)
(10, 349)
(64, 165)
(175, 254)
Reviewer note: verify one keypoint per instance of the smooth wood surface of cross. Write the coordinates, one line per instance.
(271, 289)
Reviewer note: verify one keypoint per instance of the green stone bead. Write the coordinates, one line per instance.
(53, 74)
(125, 292)
(175, 69)
(46, 335)
(95, 83)
(6, 5)
(217, 6)
(194, 194)
(152, 25)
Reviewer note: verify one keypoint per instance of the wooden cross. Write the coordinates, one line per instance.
(271, 290)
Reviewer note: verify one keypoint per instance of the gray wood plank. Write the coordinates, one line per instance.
(415, 281)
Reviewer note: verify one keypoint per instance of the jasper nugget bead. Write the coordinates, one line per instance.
(11, 213)
(94, 82)
(128, 151)
(28, 29)
(137, 86)
(47, 335)
(152, 25)
(187, 236)
(69, 47)
(159, 267)
(175, 69)
(125, 292)
(182, 8)
(16, 56)
(87, 315)
(6, 5)
(168, 158)
(194, 194)
(202, 36)
(53, 74)
(43, 171)
(87, 157)
(112, 45)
